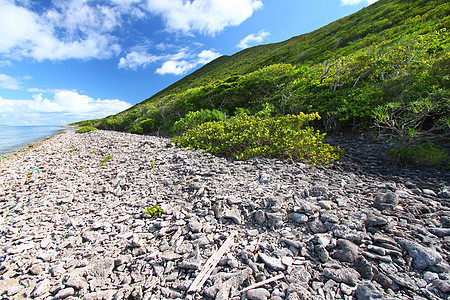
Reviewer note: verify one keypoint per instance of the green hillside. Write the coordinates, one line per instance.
(384, 67)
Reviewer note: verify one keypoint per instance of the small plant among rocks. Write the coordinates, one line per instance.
(85, 129)
(154, 211)
(105, 160)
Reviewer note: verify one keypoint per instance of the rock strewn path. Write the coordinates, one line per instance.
(73, 228)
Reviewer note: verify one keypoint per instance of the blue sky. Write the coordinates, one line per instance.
(68, 60)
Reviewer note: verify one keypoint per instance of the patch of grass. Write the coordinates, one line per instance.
(427, 154)
(105, 160)
(85, 129)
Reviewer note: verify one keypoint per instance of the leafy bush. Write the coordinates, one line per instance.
(244, 136)
(427, 154)
(195, 118)
(85, 129)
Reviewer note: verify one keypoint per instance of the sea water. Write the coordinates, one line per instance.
(13, 138)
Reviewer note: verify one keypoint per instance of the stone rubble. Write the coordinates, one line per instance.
(73, 226)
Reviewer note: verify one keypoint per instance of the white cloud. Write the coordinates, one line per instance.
(5, 63)
(204, 16)
(182, 63)
(206, 56)
(66, 105)
(71, 30)
(178, 63)
(356, 2)
(8, 82)
(176, 67)
(134, 60)
(253, 39)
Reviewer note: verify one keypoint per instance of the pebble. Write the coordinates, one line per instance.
(77, 229)
(258, 294)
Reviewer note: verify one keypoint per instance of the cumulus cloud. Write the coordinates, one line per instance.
(356, 2)
(253, 39)
(178, 65)
(68, 106)
(71, 29)
(84, 30)
(204, 16)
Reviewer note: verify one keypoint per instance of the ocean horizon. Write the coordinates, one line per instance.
(14, 138)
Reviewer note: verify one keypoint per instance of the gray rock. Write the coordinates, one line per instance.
(442, 285)
(258, 294)
(322, 253)
(233, 214)
(41, 288)
(101, 268)
(386, 201)
(346, 275)
(404, 280)
(363, 267)
(422, 257)
(195, 226)
(234, 282)
(107, 294)
(316, 226)
(36, 269)
(298, 274)
(445, 221)
(429, 192)
(272, 262)
(260, 217)
(64, 293)
(440, 232)
(298, 218)
(77, 283)
(298, 292)
(367, 291)
(384, 281)
(373, 220)
(318, 191)
(348, 251)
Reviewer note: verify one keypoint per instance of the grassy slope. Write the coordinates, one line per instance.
(383, 20)
(382, 24)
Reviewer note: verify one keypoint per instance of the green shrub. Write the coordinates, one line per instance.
(427, 154)
(154, 211)
(195, 118)
(85, 129)
(244, 136)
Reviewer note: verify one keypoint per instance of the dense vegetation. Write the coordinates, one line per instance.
(244, 136)
(385, 68)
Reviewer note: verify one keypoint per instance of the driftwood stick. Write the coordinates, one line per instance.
(211, 264)
(258, 284)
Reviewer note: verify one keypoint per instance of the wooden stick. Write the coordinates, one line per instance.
(211, 264)
(258, 284)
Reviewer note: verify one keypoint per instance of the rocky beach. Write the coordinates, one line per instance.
(73, 225)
